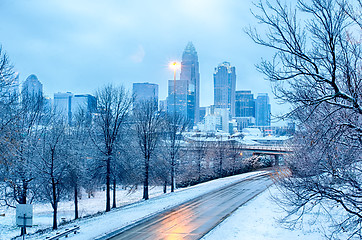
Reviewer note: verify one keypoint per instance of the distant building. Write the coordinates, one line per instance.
(84, 102)
(145, 91)
(69, 105)
(162, 105)
(244, 122)
(202, 111)
(224, 113)
(262, 110)
(187, 92)
(63, 105)
(179, 99)
(32, 87)
(244, 104)
(224, 87)
(215, 119)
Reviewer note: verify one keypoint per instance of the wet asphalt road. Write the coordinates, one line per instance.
(194, 219)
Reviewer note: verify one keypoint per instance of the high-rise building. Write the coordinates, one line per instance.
(83, 102)
(202, 111)
(224, 87)
(244, 104)
(190, 72)
(179, 99)
(63, 105)
(145, 91)
(32, 87)
(262, 110)
(69, 105)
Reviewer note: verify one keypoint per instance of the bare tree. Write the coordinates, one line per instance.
(147, 124)
(174, 125)
(77, 143)
(9, 100)
(52, 165)
(199, 148)
(220, 154)
(20, 151)
(317, 69)
(234, 155)
(113, 106)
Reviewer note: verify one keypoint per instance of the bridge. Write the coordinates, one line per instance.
(273, 150)
(266, 149)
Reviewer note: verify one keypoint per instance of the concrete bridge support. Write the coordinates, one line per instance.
(276, 159)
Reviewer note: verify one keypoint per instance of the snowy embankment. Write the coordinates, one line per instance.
(259, 220)
(91, 228)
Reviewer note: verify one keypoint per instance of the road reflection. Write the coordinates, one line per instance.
(176, 226)
(194, 219)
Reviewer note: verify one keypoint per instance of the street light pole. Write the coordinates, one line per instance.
(174, 90)
(174, 66)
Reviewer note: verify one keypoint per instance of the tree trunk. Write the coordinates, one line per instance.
(220, 167)
(54, 192)
(55, 213)
(23, 201)
(165, 187)
(199, 171)
(145, 183)
(108, 183)
(114, 194)
(76, 201)
(54, 205)
(172, 173)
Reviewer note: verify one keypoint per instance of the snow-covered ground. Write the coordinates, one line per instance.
(91, 228)
(258, 219)
(87, 206)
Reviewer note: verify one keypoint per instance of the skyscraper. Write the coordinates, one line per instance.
(262, 110)
(32, 86)
(69, 105)
(182, 100)
(224, 87)
(244, 104)
(63, 105)
(186, 91)
(83, 102)
(145, 91)
(190, 72)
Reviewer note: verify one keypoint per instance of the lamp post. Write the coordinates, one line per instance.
(174, 66)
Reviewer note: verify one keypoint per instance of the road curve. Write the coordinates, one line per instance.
(194, 219)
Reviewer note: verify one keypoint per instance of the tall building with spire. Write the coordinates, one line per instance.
(184, 95)
(190, 72)
(224, 87)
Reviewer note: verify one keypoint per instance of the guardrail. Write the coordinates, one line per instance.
(65, 233)
(266, 148)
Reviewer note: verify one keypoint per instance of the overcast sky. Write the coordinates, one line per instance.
(80, 45)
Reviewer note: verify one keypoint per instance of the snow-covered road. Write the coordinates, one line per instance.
(95, 227)
(195, 218)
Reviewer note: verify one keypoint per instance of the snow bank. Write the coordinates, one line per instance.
(258, 220)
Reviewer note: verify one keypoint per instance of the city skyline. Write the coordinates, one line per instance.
(81, 46)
